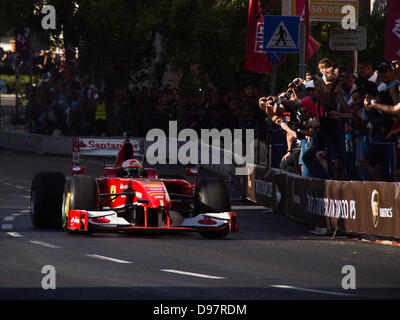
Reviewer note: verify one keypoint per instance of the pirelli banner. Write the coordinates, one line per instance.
(349, 206)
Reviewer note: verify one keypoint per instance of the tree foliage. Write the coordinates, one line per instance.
(202, 40)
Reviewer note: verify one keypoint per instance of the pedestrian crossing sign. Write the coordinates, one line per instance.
(281, 34)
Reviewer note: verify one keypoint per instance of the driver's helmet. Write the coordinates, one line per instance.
(131, 169)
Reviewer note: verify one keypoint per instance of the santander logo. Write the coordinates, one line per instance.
(207, 221)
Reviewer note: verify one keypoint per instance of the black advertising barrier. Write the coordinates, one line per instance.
(261, 187)
(350, 206)
(336, 205)
(381, 203)
(280, 181)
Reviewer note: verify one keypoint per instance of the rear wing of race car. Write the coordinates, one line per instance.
(104, 147)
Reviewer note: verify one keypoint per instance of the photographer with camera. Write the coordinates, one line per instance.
(302, 123)
(268, 105)
(300, 110)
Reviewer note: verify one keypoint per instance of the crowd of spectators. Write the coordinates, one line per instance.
(77, 107)
(73, 106)
(43, 62)
(340, 125)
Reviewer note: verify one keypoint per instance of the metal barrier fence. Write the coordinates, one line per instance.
(12, 118)
(362, 207)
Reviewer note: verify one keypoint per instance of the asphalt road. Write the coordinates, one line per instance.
(273, 258)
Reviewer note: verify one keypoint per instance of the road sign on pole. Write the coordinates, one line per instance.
(281, 34)
(347, 40)
(322, 10)
(276, 58)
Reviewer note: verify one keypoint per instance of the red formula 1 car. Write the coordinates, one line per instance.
(130, 197)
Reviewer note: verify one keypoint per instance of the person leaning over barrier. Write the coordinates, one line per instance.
(317, 158)
(270, 106)
(311, 103)
(295, 128)
(267, 105)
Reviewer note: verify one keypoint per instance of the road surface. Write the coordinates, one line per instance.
(273, 258)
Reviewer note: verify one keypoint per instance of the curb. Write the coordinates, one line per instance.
(382, 242)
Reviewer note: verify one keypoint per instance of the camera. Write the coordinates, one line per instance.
(288, 94)
(298, 117)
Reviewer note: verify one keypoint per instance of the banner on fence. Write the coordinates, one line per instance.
(350, 206)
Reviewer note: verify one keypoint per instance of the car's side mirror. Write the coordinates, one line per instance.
(78, 170)
(191, 172)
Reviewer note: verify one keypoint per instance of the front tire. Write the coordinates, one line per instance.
(80, 193)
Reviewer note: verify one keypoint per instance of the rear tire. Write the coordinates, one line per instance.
(212, 195)
(46, 199)
(80, 193)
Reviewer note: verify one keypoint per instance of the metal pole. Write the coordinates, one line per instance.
(302, 51)
(272, 82)
(17, 101)
(355, 61)
(268, 142)
(28, 113)
(259, 146)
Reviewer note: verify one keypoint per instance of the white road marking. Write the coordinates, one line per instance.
(6, 226)
(96, 256)
(312, 290)
(14, 234)
(45, 244)
(199, 275)
(247, 207)
(25, 197)
(25, 211)
(17, 214)
(9, 218)
(13, 185)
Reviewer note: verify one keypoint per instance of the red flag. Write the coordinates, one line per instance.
(392, 41)
(303, 10)
(256, 59)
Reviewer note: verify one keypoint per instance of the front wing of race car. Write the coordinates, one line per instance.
(82, 220)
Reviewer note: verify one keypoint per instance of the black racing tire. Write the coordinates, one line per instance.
(212, 195)
(46, 199)
(80, 193)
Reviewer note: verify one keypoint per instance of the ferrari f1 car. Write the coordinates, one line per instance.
(130, 197)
